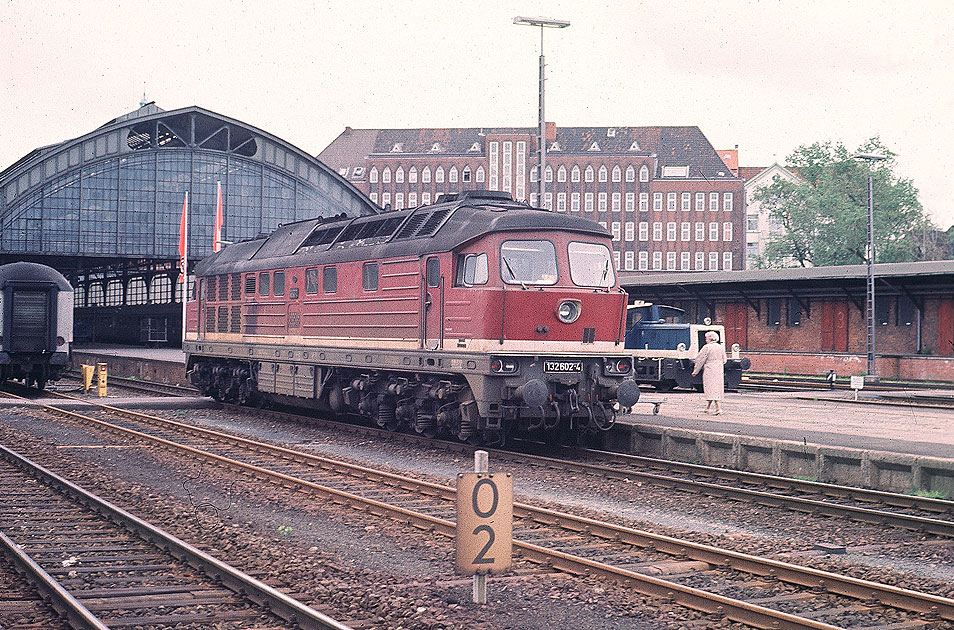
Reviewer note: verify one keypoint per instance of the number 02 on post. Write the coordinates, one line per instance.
(484, 522)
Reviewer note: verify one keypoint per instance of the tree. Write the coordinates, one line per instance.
(824, 215)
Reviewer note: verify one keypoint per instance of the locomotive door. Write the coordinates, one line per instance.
(834, 326)
(432, 305)
(30, 321)
(736, 325)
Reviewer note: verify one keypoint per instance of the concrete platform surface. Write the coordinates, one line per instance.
(174, 355)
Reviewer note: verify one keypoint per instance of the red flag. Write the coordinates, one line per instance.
(183, 235)
(217, 232)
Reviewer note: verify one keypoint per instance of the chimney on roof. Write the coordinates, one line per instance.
(348, 130)
(550, 132)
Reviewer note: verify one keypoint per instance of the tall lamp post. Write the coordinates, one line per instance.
(870, 293)
(542, 23)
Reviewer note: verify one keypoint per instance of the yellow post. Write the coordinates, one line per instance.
(101, 390)
(87, 372)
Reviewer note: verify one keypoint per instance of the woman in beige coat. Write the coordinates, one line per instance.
(711, 361)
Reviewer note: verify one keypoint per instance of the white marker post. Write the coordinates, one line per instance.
(857, 382)
(484, 523)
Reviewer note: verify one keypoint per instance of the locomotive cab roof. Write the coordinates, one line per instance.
(29, 272)
(452, 222)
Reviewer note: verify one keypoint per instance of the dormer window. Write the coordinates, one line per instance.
(594, 147)
(357, 172)
(397, 147)
(634, 146)
(675, 171)
(343, 171)
(555, 147)
(611, 132)
(436, 148)
(474, 148)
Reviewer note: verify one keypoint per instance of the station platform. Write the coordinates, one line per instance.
(886, 439)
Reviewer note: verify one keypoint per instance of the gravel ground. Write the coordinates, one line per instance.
(410, 576)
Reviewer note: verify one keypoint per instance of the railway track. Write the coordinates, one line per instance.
(760, 592)
(784, 382)
(102, 567)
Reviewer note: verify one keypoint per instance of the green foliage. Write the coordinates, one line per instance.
(824, 217)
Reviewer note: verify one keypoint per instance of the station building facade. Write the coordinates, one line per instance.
(664, 193)
(104, 208)
(811, 320)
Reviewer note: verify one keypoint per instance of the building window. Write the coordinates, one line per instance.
(644, 173)
(630, 173)
(882, 310)
(700, 231)
(561, 174)
(412, 199)
(399, 175)
(601, 202)
(373, 175)
(629, 261)
(774, 312)
(794, 313)
(603, 173)
(561, 202)
(727, 202)
(630, 202)
(700, 261)
(657, 261)
(575, 174)
(713, 201)
(616, 201)
(548, 200)
(412, 175)
(727, 261)
(425, 198)
(644, 230)
(630, 230)
(713, 261)
(548, 174)
(684, 261)
(386, 176)
(386, 199)
(906, 311)
(533, 174)
(480, 174)
(616, 256)
(657, 230)
(398, 201)
(670, 261)
(714, 231)
(671, 202)
(374, 197)
(452, 175)
(686, 201)
(617, 173)
(533, 199)
(671, 231)
(575, 202)
(465, 174)
(643, 261)
(657, 202)
(439, 175)
(644, 202)
(700, 202)
(727, 232)
(752, 222)
(588, 202)
(588, 174)
(615, 229)
(426, 175)
(686, 231)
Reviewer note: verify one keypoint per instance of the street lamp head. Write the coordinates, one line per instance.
(872, 157)
(540, 21)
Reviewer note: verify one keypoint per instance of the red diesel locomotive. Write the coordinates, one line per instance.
(472, 317)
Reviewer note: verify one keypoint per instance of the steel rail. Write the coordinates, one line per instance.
(287, 608)
(803, 576)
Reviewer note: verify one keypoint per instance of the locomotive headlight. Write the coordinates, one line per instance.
(503, 365)
(569, 311)
(60, 341)
(681, 347)
(707, 321)
(617, 366)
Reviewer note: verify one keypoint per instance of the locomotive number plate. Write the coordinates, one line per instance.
(562, 366)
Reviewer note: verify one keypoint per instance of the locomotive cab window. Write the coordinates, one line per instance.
(278, 287)
(264, 283)
(311, 281)
(591, 265)
(433, 272)
(370, 276)
(528, 263)
(472, 270)
(330, 280)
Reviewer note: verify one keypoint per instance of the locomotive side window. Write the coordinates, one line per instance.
(311, 280)
(433, 272)
(279, 285)
(370, 276)
(264, 283)
(591, 265)
(330, 280)
(528, 262)
(472, 269)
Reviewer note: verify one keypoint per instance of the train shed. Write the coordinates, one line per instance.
(811, 320)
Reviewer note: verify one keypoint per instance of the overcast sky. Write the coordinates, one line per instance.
(766, 76)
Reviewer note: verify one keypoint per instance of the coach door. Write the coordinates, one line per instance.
(432, 305)
(834, 326)
(945, 327)
(736, 325)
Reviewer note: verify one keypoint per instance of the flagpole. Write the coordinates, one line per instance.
(185, 262)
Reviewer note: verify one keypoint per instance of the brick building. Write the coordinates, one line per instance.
(664, 193)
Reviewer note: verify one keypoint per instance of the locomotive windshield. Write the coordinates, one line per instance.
(591, 265)
(528, 262)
